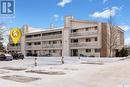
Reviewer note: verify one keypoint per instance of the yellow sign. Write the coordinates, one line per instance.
(15, 35)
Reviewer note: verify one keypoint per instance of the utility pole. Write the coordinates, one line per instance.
(110, 23)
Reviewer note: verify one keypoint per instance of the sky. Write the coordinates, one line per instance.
(42, 13)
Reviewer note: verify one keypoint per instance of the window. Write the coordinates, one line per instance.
(35, 51)
(96, 38)
(97, 50)
(49, 42)
(49, 51)
(74, 40)
(18, 44)
(52, 33)
(29, 51)
(54, 42)
(28, 36)
(88, 50)
(37, 35)
(29, 44)
(95, 28)
(74, 30)
(37, 43)
(86, 29)
(61, 42)
(88, 39)
(54, 51)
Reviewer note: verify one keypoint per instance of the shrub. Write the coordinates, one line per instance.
(122, 53)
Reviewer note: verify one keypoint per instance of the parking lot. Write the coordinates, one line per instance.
(50, 72)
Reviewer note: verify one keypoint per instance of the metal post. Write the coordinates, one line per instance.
(79, 57)
(35, 61)
(62, 60)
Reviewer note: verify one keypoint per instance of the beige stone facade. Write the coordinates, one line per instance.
(76, 38)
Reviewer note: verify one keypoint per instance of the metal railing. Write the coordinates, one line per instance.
(52, 36)
(33, 38)
(87, 44)
(14, 48)
(92, 32)
(35, 47)
(52, 46)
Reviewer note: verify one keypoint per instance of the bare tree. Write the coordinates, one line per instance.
(3, 36)
(113, 40)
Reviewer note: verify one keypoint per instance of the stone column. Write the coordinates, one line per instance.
(66, 36)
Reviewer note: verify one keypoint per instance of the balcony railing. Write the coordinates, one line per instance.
(33, 38)
(35, 47)
(14, 48)
(39, 47)
(84, 45)
(85, 33)
(52, 36)
(52, 46)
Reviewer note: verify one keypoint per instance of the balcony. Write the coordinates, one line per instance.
(33, 47)
(84, 45)
(33, 39)
(52, 36)
(14, 48)
(85, 33)
(56, 46)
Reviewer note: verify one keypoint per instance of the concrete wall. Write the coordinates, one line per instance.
(66, 36)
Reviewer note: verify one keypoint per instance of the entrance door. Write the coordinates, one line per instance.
(75, 52)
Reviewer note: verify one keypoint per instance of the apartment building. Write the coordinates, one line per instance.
(75, 38)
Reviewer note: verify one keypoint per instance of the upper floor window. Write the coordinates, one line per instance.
(88, 39)
(52, 33)
(49, 42)
(37, 35)
(88, 50)
(91, 28)
(54, 42)
(37, 43)
(54, 51)
(95, 28)
(29, 44)
(74, 31)
(18, 44)
(75, 40)
(96, 39)
(97, 50)
(28, 36)
(49, 51)
(86, 29)
(61, 42)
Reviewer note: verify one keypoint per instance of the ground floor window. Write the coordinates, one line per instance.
(97, 50)
(88, 50)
